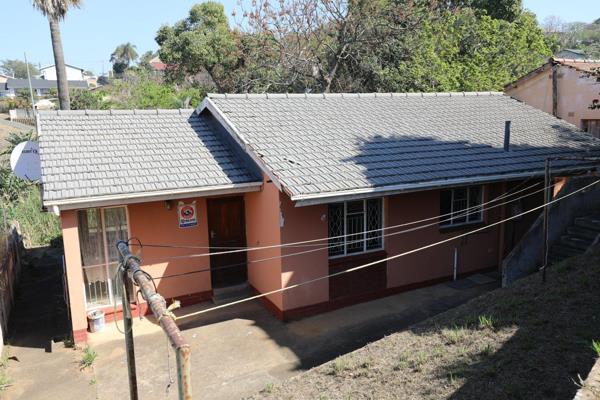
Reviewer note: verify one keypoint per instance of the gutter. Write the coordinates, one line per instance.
(208, 104)
(334, 197)
(121, 199)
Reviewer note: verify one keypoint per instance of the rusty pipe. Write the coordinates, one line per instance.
(158, 305)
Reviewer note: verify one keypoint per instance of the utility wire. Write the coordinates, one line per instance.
(325, 247)
(370, 264)
(306, 242)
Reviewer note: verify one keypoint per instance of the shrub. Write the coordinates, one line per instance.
(88, 358)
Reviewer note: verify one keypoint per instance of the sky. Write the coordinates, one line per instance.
(91, 33)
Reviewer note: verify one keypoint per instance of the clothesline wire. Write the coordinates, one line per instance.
(412, 229)
(370, 264)
(312, 241)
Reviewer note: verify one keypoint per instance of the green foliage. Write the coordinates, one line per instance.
(596, 347)
(17, 68)
(21, 201)
(486, 322)
(200, 43)
(123, 56)
(88, 357)
(86, 99)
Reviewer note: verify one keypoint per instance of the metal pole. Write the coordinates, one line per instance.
(129, 346)
(546, 217)
(455, 270)
(30, 88)
(163, 316)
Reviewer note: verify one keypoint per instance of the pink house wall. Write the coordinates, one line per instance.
(263, 229)
(575, 94)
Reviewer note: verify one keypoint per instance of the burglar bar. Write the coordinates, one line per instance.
(158, 305)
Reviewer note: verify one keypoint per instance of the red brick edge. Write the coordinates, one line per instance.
(313, 309)
(80, 336)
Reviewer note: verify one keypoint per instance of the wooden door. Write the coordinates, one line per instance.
(227, 229)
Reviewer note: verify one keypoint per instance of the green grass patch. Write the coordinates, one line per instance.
(596, 347)
(88, 358)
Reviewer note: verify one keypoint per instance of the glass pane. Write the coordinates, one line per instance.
(96, 286)
(459, 205)
(355, 224)
(116, 289)
(355, 207)
(91, 241)
(374, 222)
(475, 199)
(115, 223)
(445, 207)
(336, 228)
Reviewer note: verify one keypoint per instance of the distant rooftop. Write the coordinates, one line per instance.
(14, 83)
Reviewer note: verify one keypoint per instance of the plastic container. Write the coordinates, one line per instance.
(96, 320)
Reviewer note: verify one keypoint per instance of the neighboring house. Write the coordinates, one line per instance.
(73, 73)
(563, 88)
(41, 87)
(572, 54)
(264, 170)
(3, 91)
(157, 64)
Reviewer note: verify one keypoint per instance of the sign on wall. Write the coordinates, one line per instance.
(187, 214)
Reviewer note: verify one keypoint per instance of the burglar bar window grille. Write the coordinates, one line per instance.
(461, 206)
(354, 221)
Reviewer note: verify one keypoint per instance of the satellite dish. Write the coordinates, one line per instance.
(25, 161)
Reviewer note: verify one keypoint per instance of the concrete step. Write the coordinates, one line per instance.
(590, 222)
(575, 242)
(231, 293)
(583, 232)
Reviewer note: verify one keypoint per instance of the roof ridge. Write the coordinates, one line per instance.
(346, 95)
(129, 111)
(577, 60)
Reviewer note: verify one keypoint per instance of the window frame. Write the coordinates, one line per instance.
(107, 263)
(450, 224)
(365, 239)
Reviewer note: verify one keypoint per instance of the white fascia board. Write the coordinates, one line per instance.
(208, 104)
(334, 197)
(120, 199)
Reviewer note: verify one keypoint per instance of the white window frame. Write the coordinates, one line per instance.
(450, 222)
(107, 263)
(365, 239)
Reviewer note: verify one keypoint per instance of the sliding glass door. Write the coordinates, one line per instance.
(99, 230)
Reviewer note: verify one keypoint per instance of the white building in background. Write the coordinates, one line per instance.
(73, 73)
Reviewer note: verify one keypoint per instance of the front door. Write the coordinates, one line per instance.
(227, 230)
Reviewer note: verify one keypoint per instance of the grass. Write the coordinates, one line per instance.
(530, 341)
(5, 380)
(88, 358)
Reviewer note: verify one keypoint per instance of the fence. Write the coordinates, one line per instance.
(22, 116)
(11, 247)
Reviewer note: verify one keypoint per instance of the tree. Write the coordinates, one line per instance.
(201, 43)
(123, 56)
(55, 11)
(17, 68)
(144, 61)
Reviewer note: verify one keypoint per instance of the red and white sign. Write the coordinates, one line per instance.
(187, 214)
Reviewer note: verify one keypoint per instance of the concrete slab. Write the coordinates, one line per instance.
(238, 351)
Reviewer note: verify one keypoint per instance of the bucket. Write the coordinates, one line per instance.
(96, 320)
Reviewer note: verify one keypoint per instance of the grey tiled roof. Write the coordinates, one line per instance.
(325, 145)
(100, 153)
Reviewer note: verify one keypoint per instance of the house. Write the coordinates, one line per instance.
(73, 73)
(157, 65)
(572, 54)
(262, 171)
(3, 91)
(563, 88)
(41, 87)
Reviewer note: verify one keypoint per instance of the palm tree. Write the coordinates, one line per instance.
(55, 11)
(125, 53)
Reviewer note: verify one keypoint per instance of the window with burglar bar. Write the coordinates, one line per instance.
(355, 227)
(461, 206)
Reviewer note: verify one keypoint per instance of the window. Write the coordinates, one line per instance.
(461, 206)
(99, 230)
(355, 227)
(591, 126)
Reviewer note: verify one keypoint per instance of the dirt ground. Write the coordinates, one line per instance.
(6, 128)
(532, 341)
(236, 351)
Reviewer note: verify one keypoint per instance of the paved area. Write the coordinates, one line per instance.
(238, 351)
